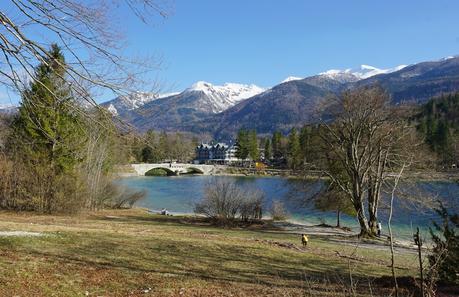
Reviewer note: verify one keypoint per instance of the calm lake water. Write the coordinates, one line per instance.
(178, 194)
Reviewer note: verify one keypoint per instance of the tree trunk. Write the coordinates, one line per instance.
(373, 220)
(363, 222)
(338, 219)
(374, 193)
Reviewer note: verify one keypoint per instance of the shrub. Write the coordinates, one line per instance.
(278, 212)
(444, 260)
(224, 202)
(118, 197)
(252, 206)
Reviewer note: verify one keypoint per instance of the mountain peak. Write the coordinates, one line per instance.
(222, 97)
(364, 71)
(367, 71)
(200, 86)
(291, 78)
(125, 103)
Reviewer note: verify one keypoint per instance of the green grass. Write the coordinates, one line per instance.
(121, 253)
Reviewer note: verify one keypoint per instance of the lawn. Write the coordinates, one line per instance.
(134, 253)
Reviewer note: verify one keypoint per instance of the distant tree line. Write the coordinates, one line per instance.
(295, 151)
(438, 122)
(155, 147)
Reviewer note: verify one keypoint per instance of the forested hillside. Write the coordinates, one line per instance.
(438, 121)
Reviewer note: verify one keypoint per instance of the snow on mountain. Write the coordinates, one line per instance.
(137, 99)
(291, 78)
(343, 76)
(8, 108)
(447, 58)
(223, 97)
(365, 71)
(133, 101)
(164, 95)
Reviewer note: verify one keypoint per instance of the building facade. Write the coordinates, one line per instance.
(219, 153)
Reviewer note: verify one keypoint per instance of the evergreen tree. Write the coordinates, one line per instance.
(268, 154)
(445, 253)
(147, 155)
(49, 135)
(253, 145)
(438, 121)
(305, 143)
(310, 146)
(242, 147)
(334, 200)
(294, 150)
(277, 145)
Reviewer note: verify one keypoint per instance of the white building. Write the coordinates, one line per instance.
(219, 153)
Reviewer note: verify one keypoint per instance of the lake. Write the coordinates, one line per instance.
(178, 194)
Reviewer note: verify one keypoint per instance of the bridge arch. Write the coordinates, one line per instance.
(194, 170)
(174, 168)
(156, 171)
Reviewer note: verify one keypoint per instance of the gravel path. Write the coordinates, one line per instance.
(19, 233)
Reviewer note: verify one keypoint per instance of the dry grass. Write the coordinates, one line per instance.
(132, 253)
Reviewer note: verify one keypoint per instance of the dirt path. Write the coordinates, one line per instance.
(345, 237)
(19, 233)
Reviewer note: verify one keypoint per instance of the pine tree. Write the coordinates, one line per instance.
(268, 154)
(48, 132)
(294, 151)
(305, 143)
(445, 254)
(242, 146)
(277, 145)
(438, 121)
(253, 145)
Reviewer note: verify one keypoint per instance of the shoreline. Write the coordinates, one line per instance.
(327, 232)
(432, 176)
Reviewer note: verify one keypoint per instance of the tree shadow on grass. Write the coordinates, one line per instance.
(217, 262)
(194, 221)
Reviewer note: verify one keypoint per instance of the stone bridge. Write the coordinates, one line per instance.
(174, 168)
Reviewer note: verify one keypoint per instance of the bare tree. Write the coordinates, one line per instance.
(221, 201)
(391, 237)
(224, 201)
(89, 34)
(361, 133)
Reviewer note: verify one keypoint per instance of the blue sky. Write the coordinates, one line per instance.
(264, 41)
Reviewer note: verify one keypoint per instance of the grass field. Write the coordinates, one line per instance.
(133, 253)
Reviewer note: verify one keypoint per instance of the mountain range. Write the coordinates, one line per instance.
(221, 111)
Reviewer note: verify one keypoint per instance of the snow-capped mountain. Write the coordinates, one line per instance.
(132, 101)
(348, 75)
(212, 98)
(222, 110)
(220, 98)
(352, 75)
(8, 108)
(291, 78)
(200, 100)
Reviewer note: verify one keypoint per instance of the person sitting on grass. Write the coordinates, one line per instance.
(304, 239)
